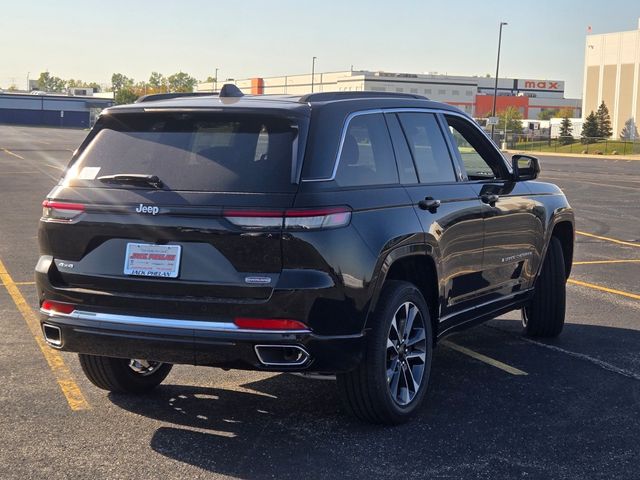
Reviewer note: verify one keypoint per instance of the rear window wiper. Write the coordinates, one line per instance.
(133, 178)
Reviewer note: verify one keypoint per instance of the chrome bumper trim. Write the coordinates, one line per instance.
(162, 322)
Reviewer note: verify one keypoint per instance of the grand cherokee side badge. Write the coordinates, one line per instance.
(257, 280)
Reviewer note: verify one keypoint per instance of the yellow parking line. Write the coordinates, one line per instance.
(24, 283)
(12, 154)
(483, 358)
(598, 262)
(60, 370)
(608, 239)
(604, 289)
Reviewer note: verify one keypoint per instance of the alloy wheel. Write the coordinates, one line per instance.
(406, 353)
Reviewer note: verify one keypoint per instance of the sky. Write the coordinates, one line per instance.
(90, 40)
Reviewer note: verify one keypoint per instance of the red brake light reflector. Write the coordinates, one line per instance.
(57, 307)
(269, 324)
(61, 211)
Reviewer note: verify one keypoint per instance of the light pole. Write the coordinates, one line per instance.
(313, 71)
(495, 87)
(28, 89)
(215, 80)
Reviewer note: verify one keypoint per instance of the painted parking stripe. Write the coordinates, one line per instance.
(605, 262)
(12, 154)
(483, 358)
(64, 377)
(604, 289)
(609, 239)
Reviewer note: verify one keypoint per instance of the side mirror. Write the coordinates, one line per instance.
(525, 167)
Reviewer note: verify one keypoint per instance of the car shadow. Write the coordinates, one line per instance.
(564, 419)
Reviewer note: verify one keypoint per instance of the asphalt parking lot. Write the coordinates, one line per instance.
(499, 405)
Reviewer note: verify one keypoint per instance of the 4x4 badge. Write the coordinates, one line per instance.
(152, 209)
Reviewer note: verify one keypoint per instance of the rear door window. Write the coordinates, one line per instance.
(366, 156)
(428, 147)
(192, 152)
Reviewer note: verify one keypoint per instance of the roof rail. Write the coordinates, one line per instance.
(166, 96)
(328, 96)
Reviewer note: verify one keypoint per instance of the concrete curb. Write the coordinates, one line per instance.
(575, 155)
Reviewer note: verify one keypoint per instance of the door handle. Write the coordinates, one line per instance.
(490, 199)
(429, 203)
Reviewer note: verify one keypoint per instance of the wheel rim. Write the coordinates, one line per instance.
(144, 367)
(406, 353)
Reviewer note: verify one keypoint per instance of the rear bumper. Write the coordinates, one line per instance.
(198, 342)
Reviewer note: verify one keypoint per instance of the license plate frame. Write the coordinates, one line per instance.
(152, 261)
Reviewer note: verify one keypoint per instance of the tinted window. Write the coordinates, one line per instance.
(366, 157)
(428, 147)
(203, 152)
(406, 168)
(477, 157)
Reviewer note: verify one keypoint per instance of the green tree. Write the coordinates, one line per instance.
(181, 82)
(513, 118)
(604, 121)
(565, 132)
(48, 83)
(95, 85)
(120, 81)
(547, 113)
(125, 95)
(566, 112)
(629, 131)
(158, 83)
(590, 129)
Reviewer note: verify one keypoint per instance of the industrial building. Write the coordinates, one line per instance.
(474, 95)
(50, 110)
(612, 76)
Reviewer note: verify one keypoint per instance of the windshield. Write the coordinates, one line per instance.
(191, 151)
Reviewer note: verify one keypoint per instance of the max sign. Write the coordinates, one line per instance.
(541, 85)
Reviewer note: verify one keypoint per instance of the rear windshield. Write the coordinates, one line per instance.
(191, 151)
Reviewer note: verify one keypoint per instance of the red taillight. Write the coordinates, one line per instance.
(295, 219)
(269, 324)
(61, 211)
(57, 307)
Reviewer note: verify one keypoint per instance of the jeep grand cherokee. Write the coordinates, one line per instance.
(339, 233)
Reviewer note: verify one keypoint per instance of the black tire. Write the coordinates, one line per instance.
(367, 391)
(544, 316)
(115, 374)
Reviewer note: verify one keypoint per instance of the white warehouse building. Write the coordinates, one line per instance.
(472, 94)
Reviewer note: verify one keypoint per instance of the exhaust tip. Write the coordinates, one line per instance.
(281, 355)
(52, 335)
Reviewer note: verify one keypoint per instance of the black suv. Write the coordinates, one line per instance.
(336, 233)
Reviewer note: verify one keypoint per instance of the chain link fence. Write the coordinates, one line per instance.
(591, 145)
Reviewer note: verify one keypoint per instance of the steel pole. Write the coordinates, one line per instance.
(495, 86)
(313, 71)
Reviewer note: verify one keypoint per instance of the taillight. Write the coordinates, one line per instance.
(57, 307)
(269, 324)
(61, 211)
(295, 219)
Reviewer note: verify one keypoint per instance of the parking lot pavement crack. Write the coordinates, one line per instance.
(595, 361)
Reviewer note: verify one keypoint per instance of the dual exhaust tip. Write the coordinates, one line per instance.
(281, 355)
(52, 335)
(268, 355)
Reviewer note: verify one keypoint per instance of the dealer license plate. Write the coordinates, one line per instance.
(145, 260)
